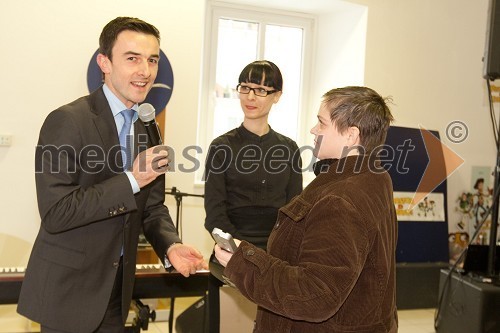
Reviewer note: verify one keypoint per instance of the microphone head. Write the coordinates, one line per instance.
(146, 112)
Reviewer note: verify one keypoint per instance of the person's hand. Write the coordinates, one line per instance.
(186, 259)
(149, 164)
(224, 256)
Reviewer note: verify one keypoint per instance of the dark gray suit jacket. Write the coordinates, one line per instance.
(88, 211)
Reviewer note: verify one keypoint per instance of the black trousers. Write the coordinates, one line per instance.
(112, 321)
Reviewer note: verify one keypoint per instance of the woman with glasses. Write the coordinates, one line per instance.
(251, 171)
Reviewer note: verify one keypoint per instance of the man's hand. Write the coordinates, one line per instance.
(222, 255)
(186, 259)
(150, 164)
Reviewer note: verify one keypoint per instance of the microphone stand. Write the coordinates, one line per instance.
(492, 246)
(494, 222)
(178, 200)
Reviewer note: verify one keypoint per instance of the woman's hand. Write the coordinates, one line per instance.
(224, 256)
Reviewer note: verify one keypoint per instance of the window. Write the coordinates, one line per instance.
(236, 36)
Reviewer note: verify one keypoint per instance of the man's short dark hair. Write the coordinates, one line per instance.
(111, 31)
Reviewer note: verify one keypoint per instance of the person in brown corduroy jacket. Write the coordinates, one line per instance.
(330, 263)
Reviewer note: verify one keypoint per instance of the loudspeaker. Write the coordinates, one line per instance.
(194, 319)
(491, 68)
(477, 258)
(417, 284)
(467, 306)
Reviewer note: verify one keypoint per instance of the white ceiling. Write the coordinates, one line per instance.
(302, 6)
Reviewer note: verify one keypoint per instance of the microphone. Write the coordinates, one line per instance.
(147, 116)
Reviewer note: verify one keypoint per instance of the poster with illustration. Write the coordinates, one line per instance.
(430, 209)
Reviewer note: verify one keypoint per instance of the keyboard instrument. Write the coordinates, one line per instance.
(151, 281)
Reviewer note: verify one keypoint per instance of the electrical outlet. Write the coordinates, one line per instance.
(5, 140)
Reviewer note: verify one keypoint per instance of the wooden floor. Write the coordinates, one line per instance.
(410, 321)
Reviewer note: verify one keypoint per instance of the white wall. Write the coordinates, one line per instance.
(341, 48)
(425, 53)
(339, 58)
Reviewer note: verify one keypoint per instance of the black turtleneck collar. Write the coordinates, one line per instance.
(323, 166)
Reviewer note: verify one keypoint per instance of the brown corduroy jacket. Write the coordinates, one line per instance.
(330, 265)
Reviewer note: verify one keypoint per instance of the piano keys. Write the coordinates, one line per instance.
(151, 281)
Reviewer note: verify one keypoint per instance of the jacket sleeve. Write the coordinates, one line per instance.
(215, 190)
(331, 256)
(158, 226)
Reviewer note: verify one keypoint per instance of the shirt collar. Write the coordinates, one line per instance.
(252, 136)
(116, 105)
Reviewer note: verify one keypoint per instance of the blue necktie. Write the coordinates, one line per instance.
(125, 138)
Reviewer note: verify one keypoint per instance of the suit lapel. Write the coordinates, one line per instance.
(106, 126)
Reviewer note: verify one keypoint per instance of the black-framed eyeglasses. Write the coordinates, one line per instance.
(261, 92)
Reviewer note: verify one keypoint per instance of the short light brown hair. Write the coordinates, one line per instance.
(363, 108)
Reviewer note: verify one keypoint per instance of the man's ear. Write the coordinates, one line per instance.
(353, 136)
(104, 63)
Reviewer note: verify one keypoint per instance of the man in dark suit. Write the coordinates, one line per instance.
(93, 205)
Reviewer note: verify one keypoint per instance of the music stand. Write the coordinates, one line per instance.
(178, 200)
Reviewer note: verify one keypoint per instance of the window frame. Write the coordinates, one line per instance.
(216, 10)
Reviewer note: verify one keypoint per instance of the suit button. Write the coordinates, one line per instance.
(250, 252)
(116, 264)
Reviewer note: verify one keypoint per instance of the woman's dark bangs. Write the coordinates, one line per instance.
(254, 74)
